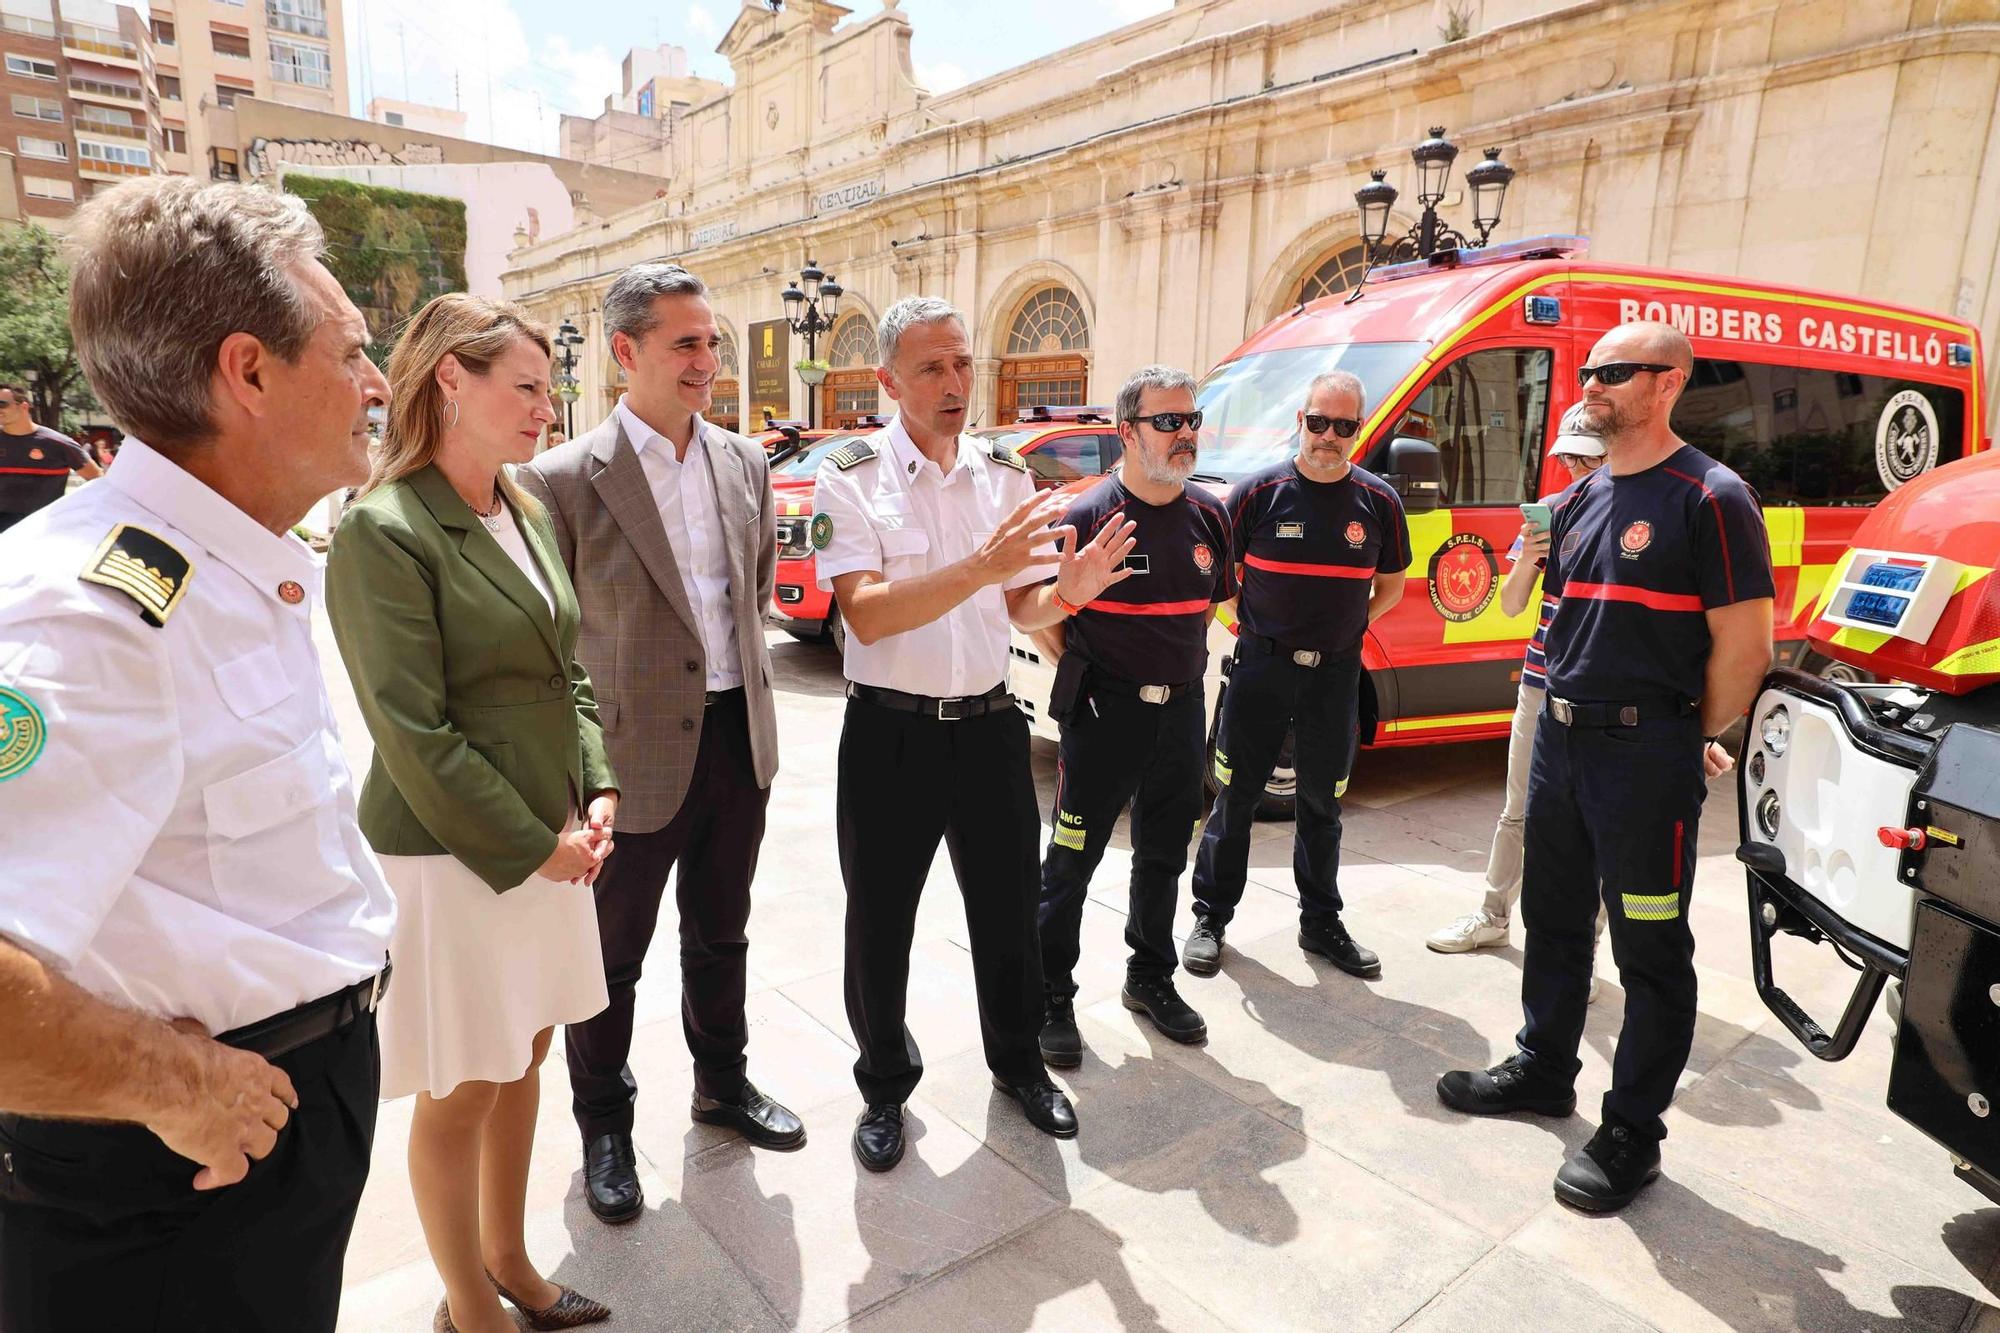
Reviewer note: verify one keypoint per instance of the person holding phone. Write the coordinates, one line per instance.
(1581, 453)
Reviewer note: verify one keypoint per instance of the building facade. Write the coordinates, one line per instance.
(1156, 193)
(209, 53)
(641, 126)
(75, 111)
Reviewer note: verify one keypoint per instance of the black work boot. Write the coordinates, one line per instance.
(1062, 1044)
(1203, 954)
(1608, 1172)
(1511, 1085)
(1158, 1000)
(1330, 940)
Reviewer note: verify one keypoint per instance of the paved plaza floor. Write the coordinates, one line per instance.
(1296, 1172)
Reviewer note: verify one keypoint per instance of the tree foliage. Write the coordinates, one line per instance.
(392, 250)
(34, 325)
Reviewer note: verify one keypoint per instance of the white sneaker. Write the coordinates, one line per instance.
(1474, 930)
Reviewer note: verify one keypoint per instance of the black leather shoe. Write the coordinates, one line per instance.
(611, 1178)
(1159, 1001)
(878, 1136)
(1048, 1110)
(1511, 1085)
(1203, 954)
(1330, 940)
(1062, 1044)
(1609, 1171)
(754, 1116)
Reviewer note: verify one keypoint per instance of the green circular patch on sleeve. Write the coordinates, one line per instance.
(23, 732)
(822, 531)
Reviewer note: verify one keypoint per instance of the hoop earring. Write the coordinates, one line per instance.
(453, 423)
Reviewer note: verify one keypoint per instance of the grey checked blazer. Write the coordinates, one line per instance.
(640, 639)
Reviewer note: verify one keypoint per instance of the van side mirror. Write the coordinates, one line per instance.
(1416, 473)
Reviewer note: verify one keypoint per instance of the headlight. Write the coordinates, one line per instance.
(1757, 768)
(1767, 814)
(1777, 731)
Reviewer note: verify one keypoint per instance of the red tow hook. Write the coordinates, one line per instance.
(1902, 839)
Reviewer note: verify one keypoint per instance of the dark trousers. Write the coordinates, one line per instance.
(906, 781)
(1269, 693)
(1613, 811)
(101, 1228)
(711, 847)
(1119, 750)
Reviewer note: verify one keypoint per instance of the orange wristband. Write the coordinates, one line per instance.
(1068, 608)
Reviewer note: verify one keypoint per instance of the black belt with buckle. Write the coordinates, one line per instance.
(944, 710)
(1571, 714)
(1265, 646)
(1149, 694)
(713, 697)
(281, 1034)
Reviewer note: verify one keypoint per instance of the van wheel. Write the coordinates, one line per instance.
(1281, 792)
(835, 632)
(1840, 673)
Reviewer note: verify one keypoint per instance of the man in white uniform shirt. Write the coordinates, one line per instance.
(188, 972)
(666, 524)
(932, 541)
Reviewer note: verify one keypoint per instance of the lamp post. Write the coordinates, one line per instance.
(812, 304)
(1433, 158)
(568, 339)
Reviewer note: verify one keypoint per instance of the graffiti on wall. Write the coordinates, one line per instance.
(267, 156)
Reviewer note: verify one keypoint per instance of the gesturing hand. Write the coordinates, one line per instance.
(1023, 539)
(1081, 575)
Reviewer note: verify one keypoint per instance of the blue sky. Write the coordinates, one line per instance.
(514, 66)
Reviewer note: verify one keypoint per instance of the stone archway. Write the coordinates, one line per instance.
(851, 390)
(1045, 355)
(726, 407)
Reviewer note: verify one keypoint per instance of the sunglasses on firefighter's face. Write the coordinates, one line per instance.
(1170, 423)
(1613, 373)
(1344, 427)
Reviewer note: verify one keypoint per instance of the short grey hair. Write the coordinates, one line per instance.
(1149, 377)
(906, 314)
(1340, 381)
(164, 269)
(628, 306)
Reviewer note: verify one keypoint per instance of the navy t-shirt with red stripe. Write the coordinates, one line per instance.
(1152, 628)
(35, 468)
(1634, 563)
(1310, 551)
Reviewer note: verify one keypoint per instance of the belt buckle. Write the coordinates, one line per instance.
(1156, 694)
(1559, 710)
(1628, 716)
(374, 991)
(951, 710)
(1306, 657)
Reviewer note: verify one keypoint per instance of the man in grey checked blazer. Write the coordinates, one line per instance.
(666, 525)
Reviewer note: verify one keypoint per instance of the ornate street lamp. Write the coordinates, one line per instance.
(568, 339)
(1433, 158)
(812, 304)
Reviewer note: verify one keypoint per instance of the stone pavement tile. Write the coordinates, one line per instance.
(798, 934)
(943, 1009)
(1389, 777)
(1862, 1078)
(660, 1271)
(1695, 1252)
(1068, 1273)
(1847, 1167)
(1273, 1232)
(1506, 1290)
(1132, 1106)
(824, 1240)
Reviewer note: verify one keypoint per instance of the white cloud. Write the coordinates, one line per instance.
(703, 25)
(940, 77)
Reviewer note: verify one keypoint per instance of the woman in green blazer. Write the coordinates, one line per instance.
(489, 800)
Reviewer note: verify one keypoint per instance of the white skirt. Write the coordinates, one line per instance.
(479, 973)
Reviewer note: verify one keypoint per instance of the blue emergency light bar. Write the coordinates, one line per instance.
(1513, 252)
(1900, 578)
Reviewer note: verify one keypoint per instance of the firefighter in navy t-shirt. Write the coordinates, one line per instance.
(1129, 696)
(1323, 548)
(1660, 640)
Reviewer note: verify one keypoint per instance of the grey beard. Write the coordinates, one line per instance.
(1164, 471)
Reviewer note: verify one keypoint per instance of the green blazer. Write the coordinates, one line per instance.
(484, 723)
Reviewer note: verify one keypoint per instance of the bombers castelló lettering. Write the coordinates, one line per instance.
(1736, 324)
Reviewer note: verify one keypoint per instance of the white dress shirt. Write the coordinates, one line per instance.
(900, 515)
(185, 842)
(684, 491)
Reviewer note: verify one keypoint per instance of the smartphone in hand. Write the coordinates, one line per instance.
(1538, 516)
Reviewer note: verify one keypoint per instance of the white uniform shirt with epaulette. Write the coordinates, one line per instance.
(879, 504)
(177, 818)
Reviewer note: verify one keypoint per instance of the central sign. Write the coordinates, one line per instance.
(846, 196)
(770, 373)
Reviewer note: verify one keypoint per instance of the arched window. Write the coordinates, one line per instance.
(725, 410)
(1051, 320)
(727, 354)
(853, 345)
(1335, 273)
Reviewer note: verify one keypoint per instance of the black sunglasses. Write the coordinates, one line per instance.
(1169, 422)
(1617, 372)
(1344, 427)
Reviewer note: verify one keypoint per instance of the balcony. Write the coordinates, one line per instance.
(110, 129)
(279, 21)
(92, 169)
(110, 92)
(88, 40)
(32, 27)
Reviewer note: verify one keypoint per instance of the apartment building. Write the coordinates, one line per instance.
(75, 84)
(208, 53)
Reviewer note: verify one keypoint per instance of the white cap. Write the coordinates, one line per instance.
(1573, 438)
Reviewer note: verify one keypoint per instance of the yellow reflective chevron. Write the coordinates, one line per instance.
(1652, 906)
(1222, 770)
(1071, 838)
(1340, 789)
(1973, 660)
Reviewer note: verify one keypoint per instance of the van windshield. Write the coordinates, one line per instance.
(1250, 406)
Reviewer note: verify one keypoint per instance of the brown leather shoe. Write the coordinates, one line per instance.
(572, 1309)
(441, 1321)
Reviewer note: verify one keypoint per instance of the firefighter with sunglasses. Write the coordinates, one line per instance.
(1321, 548)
